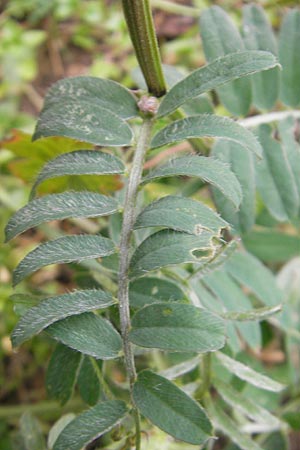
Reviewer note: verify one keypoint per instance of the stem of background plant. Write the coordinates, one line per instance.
(126, 234)
(141, 28)
(206, 376)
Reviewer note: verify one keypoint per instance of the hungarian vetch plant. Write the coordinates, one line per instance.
(175, 269)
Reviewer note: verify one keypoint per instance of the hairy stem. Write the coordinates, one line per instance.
(129, 216)
(141, 28)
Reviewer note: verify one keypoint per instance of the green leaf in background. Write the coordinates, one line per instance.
(56, 308)
(62, 373)
(250, 272)
(242, 165)
(169, 408)
(168, 247)
(66, 249)
(82, 162)
(289, 57)
(31, 433)
(219, 38)
(272, 246)
(247, 374)
(264, 421)
(147, 290)
(233, 299)
(177, 327)
(226, 425)
(58, 207)
(214, 74)
(256, 314)
(83, 122)
(275, 179)
(182, 214)
(90, 425)
(208, 169)
(88, 382)
(89, 334)
(96, 91)
(207, 125)
(258, 35)
(288, 132)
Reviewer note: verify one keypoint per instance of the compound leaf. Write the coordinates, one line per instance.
(58, 207)
(169, 408)
(90, 425)
(66, 249)
(182, 214)
(177, 327)
(89, 334)
(80, 162)
(214, 74)
(207, 125)
(208, 169)
(56, 308)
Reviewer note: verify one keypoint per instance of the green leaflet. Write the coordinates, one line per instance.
(233, 299)
(207, 125)
(182, 214)
(208, 169)
(256, 314)
(169, 247)
(31, 432)
(242, 165)
(83, 122)
(258, 35)
(214, 74)
(80, 162)
(88, 381)
(66, 249)
(89, 334)
(247, 374)
(250, 272)
(274, 178)
(177, 327)
(62, 373)
(108, 94)
(264, 420)
(230, 428)
(169, 408)
(270, 245)
(58, 207)
(56, 308)
(90, 425)
(219, 38)
(57, 428)
(149, 290)
(289, 57)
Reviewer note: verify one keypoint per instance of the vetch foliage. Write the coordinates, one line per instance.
(175, 268)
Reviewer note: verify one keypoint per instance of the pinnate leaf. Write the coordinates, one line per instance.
(58, 207)
(182, 214)
(208, 169)
(207, 125)
(169, 408)
(81, 162)
(177, 327)
(66, 249)
(56, 308)
(89, 334)
(169, 247)
(90, 425)
(214, 74)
